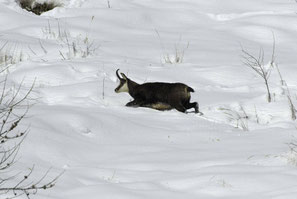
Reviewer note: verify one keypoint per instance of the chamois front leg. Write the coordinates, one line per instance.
(196, 106)
(135, 103)
(132, 103)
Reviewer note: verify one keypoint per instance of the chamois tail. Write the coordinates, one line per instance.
(189, 89)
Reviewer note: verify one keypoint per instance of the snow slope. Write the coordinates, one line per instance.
(109, 151)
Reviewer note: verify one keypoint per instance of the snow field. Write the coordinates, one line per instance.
(237, 149)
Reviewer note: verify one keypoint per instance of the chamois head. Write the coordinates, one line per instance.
(123, 86)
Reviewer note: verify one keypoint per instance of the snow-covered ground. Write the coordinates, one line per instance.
(237, 149)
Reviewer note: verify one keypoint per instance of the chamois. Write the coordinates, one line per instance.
(157, 95)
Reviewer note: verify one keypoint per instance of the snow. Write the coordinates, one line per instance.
(81, 126)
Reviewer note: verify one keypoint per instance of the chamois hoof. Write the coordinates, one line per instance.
(200, 113)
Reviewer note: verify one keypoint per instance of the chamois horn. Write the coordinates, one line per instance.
(117, 72)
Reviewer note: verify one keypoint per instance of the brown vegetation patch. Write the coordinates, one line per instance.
(36, 7)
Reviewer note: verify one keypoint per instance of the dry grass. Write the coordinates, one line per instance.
(238, 118)
(176, 56)
(9, 55)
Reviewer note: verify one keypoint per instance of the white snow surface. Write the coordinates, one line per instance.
(109, 151)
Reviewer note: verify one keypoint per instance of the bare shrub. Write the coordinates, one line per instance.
(37, 7)
(13, 109)
(256, 63)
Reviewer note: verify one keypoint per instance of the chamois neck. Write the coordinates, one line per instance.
(131, 86)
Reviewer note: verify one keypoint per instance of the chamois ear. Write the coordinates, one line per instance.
(124, 76)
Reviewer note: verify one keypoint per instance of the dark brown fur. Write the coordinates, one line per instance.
(159, 95)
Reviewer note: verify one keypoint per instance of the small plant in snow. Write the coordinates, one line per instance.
(238, 118)
(177, 56)
(108, 4)
(220, 182)
(76, 46)
(9, 55)
(256, 63)
(292, 154)
(256, 115)
(59, 32)
(293, 110)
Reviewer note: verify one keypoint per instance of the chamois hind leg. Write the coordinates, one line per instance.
(194, 105)
(177, 104)
(180, 107)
